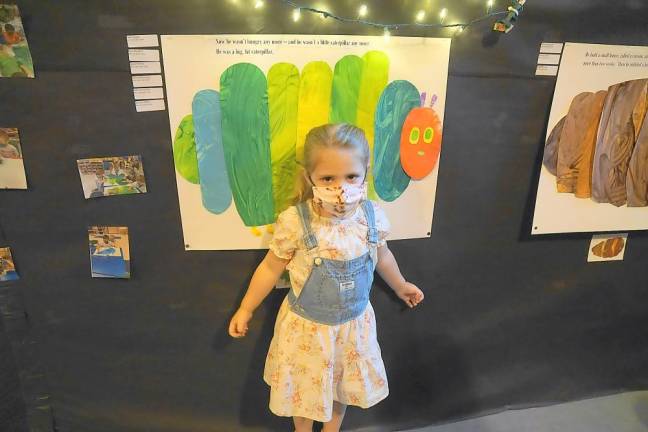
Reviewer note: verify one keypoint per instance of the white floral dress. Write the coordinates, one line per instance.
(309, 365)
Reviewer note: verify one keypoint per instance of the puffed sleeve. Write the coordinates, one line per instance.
(287, 231)
(382, 224)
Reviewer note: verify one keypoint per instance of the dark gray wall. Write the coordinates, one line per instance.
(508, 320)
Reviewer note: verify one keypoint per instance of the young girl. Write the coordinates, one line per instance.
(324, 354)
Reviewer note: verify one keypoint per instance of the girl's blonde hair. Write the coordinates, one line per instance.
(334, 136)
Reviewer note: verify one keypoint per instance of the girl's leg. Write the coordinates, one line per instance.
(303, 424)
(336, 419)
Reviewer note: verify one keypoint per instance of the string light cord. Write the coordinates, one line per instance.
(387, 26)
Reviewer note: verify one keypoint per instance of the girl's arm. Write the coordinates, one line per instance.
(264, 279)
(387, 268)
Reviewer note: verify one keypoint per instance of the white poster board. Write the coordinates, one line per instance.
(587, 68)
(195, 62)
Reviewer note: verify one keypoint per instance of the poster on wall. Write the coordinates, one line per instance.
(240, 107)
(12, 167)
(594, 174)
(15, 57)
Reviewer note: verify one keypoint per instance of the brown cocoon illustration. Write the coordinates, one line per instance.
(577, 142)
(600, 148)
(621, 122)
(609, 248)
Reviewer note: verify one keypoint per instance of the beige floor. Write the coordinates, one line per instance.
(624, 412)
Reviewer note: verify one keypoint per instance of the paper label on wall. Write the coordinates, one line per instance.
(147, 80)
(549, 59)
(150, 105)
(607, 247)
(547, 70)
(551, 48)
(143, 55)
(139, 41)
(145, 67)
(148, 93)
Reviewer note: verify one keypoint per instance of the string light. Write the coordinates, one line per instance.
(296, 15)
(363, 10)
(420, 16)
(388, 27)
(258, 4)
(443, 14)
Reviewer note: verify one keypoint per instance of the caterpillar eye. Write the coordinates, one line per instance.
(415, 135)
(428, 135)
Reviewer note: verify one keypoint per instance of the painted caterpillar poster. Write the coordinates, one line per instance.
(594, 174)
(240, 107)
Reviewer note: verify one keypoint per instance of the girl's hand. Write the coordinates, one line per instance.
(410, 294)
(239, 324)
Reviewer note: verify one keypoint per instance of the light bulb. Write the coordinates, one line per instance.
(296, 15)
(258, 4)
(420, 16)
(363, 10)
(443, 13)
(386, 35)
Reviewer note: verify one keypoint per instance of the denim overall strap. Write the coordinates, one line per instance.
(310, 241)
(372, 231)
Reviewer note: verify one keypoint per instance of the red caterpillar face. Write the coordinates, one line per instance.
(420, 142)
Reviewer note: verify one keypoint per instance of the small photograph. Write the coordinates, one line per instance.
(109, 252)
(607, 247)
(7, 267)
(284, 281)
(12, 168)
(15, 57)
(112, 176)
